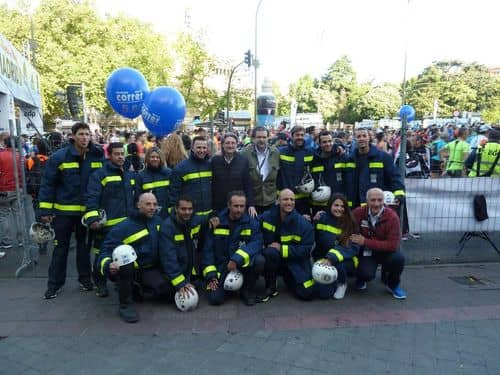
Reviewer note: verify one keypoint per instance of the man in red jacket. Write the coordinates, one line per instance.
(379, 242)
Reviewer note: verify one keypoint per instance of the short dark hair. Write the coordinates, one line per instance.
(198, 138)
(114, 145)
(297, 128)
(235, 193)
(259, 129)
(230, 135)
(323, 133)
(79, 125)
(185, 198)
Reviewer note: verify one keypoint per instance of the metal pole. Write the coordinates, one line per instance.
(233, 69)
(256, 65)
(84, 105)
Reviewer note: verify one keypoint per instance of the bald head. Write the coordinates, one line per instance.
(286, 201)
(147, 204)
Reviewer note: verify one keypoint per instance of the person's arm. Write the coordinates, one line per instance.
(243, 255)
(301, 247)
(168, 244)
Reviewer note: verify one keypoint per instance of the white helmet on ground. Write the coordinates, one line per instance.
(187, 302)
(233, 281)
(389, 198)
(41, 232)
(324, 273)
(321, 194)
(306, 184)
(102, 218)
(124, 254)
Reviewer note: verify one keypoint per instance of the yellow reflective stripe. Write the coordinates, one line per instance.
(318, 168)
(324, 204)
(158, 227)
(308, 159)
(355, 260)
(195, 175)
(245, 256)
(203, 213)
(195, 230)
(96, 164)
(349, 203)
(246, 232)
(46, 205)
(363, 204)
(399, 192)
(95, 250)
(136, 236)
(136, 265)
(155, 184)
(193, 272)
(339, 165)
(287, 158)
(268, 226)
(291, 237)
(103, 263)
(308, 283)
(179, 279)
(91, 214)
(110, 223)
(221, 231)
(132, 181)
(337, 253)
(350, 165)
(284, 251)
(69, 165)
(179, 237)
(209, 269)
(301, 195)
(68, 207)
(376, 164)
(107, 179)
(328, 228)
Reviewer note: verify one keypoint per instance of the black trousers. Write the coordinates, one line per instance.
(64, 226)
(392, 267)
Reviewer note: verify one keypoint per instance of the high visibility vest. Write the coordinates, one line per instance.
(486, 157)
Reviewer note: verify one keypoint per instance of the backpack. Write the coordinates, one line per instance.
(35, 167)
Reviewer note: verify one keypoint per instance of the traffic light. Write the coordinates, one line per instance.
(248, 58)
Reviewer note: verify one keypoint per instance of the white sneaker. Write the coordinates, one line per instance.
(340, 291)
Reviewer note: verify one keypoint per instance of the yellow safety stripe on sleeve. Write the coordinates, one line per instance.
(328, 228)
(132, 181)
(96, 164)
(110, 223)
(107, 179)
(287, 158)
(136, 236)
(284, 251)
(349, 203)
(46, 205)
(209, 269)
(301, 195)
(179, 237)
(246, 232)
(317, 169)
(193, 272)
(291, 237)
(158, 227)
(355, 260)
(195, 230)
(95, 250)
(103, 263)
(155, 184)
(221, 231)
(308, 283)
(399, 192)
(179, 279)
(245, 256)
(376, 164)
(91, 214)
(339, 165)
(203, 213)
(68, 165)
(363, 204)
(136, 265)
(308, 159)
(350, 165)
(69, 207)
(268, 226)
(196, 175)
(337, 253)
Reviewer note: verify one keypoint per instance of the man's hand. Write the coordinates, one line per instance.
(307, 217)
(95, 226)
(46, 219)
(358, 239)
(252, 211)
(318, 214)
(186, 290)
(213, 222)
(213, 285)
(114, 268)
(326, 261)
(276, 245)
(231, 265)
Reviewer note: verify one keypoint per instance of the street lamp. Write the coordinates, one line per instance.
(256, 64)
(233, 69)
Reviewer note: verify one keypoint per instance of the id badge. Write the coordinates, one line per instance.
(339, 176)
(367, 253)
(373, 178)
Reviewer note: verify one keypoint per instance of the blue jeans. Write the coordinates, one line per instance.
(10, 226)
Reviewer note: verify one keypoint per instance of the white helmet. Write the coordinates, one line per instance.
(321, 194)
(124, 254)
(233, 281)
(102, 218)
(186, 303)
(389, 198)
(41, 232)
(324, 273)
(306, 184)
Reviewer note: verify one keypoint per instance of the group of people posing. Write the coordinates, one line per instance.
(262, 212)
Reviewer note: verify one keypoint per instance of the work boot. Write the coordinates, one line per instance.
(86, 286)
(271, 290)
(128, 314)
(248, 296)
(102, 290)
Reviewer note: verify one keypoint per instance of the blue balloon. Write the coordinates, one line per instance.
(126, 89)
(163, 110)
(407, 110)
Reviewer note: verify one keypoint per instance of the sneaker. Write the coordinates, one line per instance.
(2, 254)
(416, 235)
(86, 286)
(51, 293)
(128, 314)
(4, 246)
(102, 291)
(340, 291)
(360, 285)
(397, 292)
(404, 237)
(270, 292)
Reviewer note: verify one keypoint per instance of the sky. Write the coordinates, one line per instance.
(305, 37)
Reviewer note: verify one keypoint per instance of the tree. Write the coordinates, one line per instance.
(303, 91)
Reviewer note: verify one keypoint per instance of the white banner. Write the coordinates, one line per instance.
(446, 204)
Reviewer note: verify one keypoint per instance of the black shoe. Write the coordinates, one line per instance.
(86, 286)
(128, 314)
(248, 297)
(270, 292)
(51, 293)
(102, 290)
